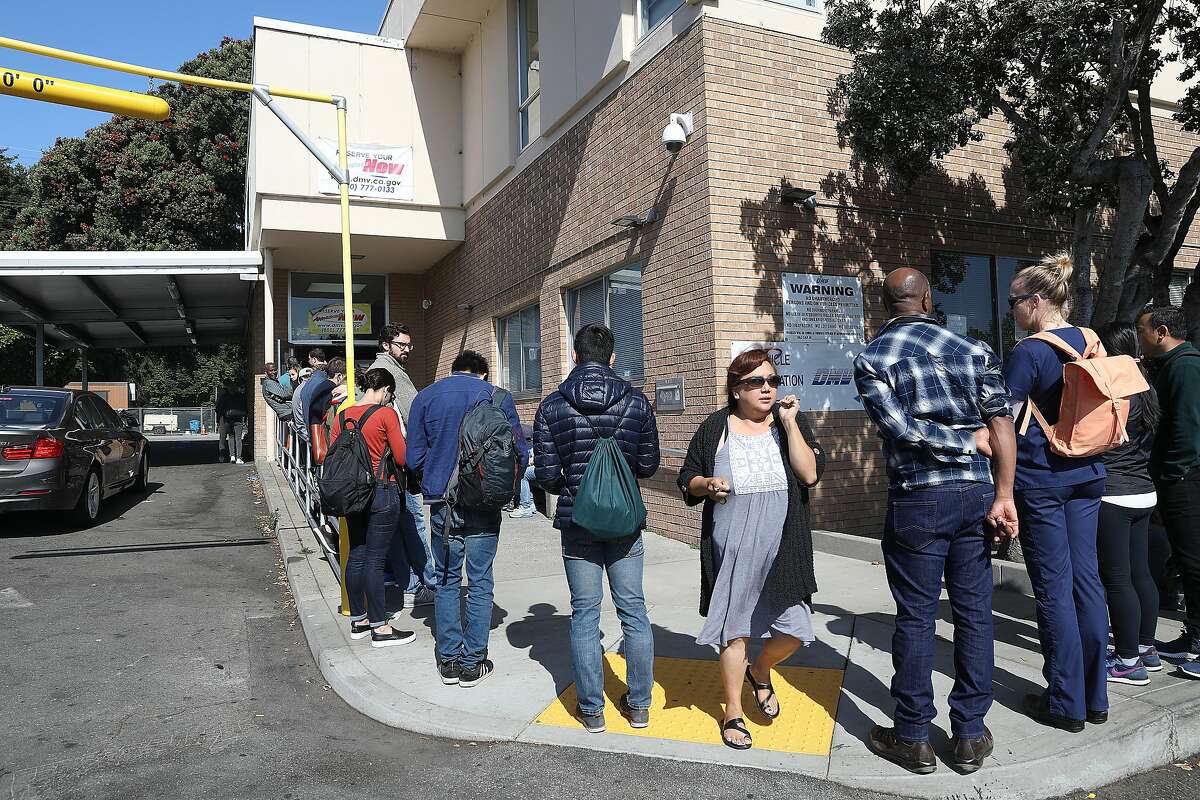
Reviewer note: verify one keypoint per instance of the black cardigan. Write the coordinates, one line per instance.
(791, 579)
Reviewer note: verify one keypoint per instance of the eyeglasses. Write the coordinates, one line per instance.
(758, 381)
(1013, 299)
(401, 345)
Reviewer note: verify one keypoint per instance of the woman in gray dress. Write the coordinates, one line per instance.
(751, 465)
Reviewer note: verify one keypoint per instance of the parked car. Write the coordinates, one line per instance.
(66, 450)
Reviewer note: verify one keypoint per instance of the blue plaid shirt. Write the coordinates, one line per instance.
(929, 390)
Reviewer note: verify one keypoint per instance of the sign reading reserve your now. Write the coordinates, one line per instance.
(824, 331)
(377, 171)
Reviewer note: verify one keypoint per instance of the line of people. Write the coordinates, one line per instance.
(973, 457)
(978, 451)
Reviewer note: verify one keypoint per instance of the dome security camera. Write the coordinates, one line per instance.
(676, 134)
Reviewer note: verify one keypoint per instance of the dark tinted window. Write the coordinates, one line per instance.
(31, 409)
(88, 414)
(111, 420)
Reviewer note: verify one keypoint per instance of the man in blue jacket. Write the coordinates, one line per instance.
(593, 402)
(433, 428)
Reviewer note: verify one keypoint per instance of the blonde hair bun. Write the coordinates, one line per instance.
(1051, 279)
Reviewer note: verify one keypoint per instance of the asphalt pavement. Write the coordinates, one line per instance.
(159, 655)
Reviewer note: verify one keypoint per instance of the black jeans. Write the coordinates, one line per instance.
(1179, 503)
(1122, 545)
(370, 540)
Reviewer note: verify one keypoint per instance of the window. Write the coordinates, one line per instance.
(1179, 284)
(970, 292)
(529, 84)
(520, 339)
(808, 5)
(655, 11)
(88, 414)
(315, 308)
(616, 301)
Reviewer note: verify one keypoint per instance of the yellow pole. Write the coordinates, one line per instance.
(348, 311)
(32, 86)
(150, 72)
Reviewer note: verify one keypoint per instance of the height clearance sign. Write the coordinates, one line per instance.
(377, 171)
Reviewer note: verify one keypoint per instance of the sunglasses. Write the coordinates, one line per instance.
(758, 381)
(1013, 299)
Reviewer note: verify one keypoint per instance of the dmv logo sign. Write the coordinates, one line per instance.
(377, 171)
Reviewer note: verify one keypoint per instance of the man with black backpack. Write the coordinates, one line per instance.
(591, 438)
(462, 440)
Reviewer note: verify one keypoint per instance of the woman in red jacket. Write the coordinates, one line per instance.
(371, 531)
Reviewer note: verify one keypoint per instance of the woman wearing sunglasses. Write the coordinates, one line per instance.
(1058, 500)
(750, 464)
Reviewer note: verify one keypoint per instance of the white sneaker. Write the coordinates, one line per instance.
(522, 512)
(421, 597)
(239, 461)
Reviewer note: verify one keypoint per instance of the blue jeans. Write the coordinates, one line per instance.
(586, 561)
(929, 532)
(410, 555)
(370, 539)
(1058, 537)
(462, 637)
(526, 492)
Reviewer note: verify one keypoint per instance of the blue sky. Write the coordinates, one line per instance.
(156, 33)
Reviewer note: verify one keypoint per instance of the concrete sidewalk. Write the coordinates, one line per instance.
(1150, 725)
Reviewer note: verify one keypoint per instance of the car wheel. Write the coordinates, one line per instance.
(143, 478)
(87, 510)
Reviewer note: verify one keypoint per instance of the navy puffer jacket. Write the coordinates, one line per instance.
(592, 402)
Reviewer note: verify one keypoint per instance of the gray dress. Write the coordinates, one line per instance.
(747, 528)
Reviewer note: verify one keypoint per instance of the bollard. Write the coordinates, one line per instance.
(343, 557)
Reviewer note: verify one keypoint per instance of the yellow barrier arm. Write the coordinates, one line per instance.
(32, 86)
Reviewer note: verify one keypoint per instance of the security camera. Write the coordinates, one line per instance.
(676, 134)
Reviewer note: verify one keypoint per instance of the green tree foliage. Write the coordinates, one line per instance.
(131, 184)
(1060, 73)
(14, 191)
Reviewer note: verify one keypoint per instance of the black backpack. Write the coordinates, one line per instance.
(487, 472)
(347, 482)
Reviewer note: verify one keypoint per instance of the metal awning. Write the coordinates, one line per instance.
(127, 298)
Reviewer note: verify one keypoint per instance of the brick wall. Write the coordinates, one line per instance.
(550, 229)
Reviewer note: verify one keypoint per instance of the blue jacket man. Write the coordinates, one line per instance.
(942, 410)
(433, 425)
(593, 402)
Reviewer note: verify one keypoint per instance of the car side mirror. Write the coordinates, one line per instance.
(129, 420)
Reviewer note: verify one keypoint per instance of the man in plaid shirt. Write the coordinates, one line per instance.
(942, 410)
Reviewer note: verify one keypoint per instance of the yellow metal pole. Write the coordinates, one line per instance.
(150, 72)
(348, 311)
(32, 86)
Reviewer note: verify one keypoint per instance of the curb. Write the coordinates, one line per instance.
(1158, 736)
(1006, 575)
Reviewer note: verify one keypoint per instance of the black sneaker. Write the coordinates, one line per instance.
(450, 672)
(360, 630)
(916, 757)
(471, 677)
(1038, 710)
(1184, 648)
(391, 639)
(638, 717)
(592, 723)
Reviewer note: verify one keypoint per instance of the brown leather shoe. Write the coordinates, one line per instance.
(969, 753)
(916, 757)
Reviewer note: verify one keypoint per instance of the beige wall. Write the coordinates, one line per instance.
(489, 98)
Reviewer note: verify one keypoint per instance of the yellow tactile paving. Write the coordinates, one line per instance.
(687, 705)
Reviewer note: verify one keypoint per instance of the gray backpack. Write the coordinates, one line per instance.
(488, 471)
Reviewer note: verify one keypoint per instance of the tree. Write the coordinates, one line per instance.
(14, 190)
(1061, 73)
(131, 184)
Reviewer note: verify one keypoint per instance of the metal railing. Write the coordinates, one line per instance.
(296, 463)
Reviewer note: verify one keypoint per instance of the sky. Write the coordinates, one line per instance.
(154, 33)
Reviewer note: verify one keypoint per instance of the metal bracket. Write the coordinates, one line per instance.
(263, 93)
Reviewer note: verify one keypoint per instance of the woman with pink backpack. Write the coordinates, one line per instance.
(1071, 405)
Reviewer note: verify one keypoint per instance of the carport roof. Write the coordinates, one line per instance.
(128, 298)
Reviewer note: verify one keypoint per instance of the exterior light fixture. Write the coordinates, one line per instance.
(792, 195)
(636, 220)
(465, 307)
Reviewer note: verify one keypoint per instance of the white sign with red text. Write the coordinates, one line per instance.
(377, 171)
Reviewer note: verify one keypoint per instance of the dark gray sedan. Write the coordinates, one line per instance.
(66, 450)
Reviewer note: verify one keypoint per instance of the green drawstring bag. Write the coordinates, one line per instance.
(608, 504)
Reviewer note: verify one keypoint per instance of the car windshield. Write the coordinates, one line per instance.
(20, 409)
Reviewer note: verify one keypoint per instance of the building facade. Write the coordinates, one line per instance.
(528, 129)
